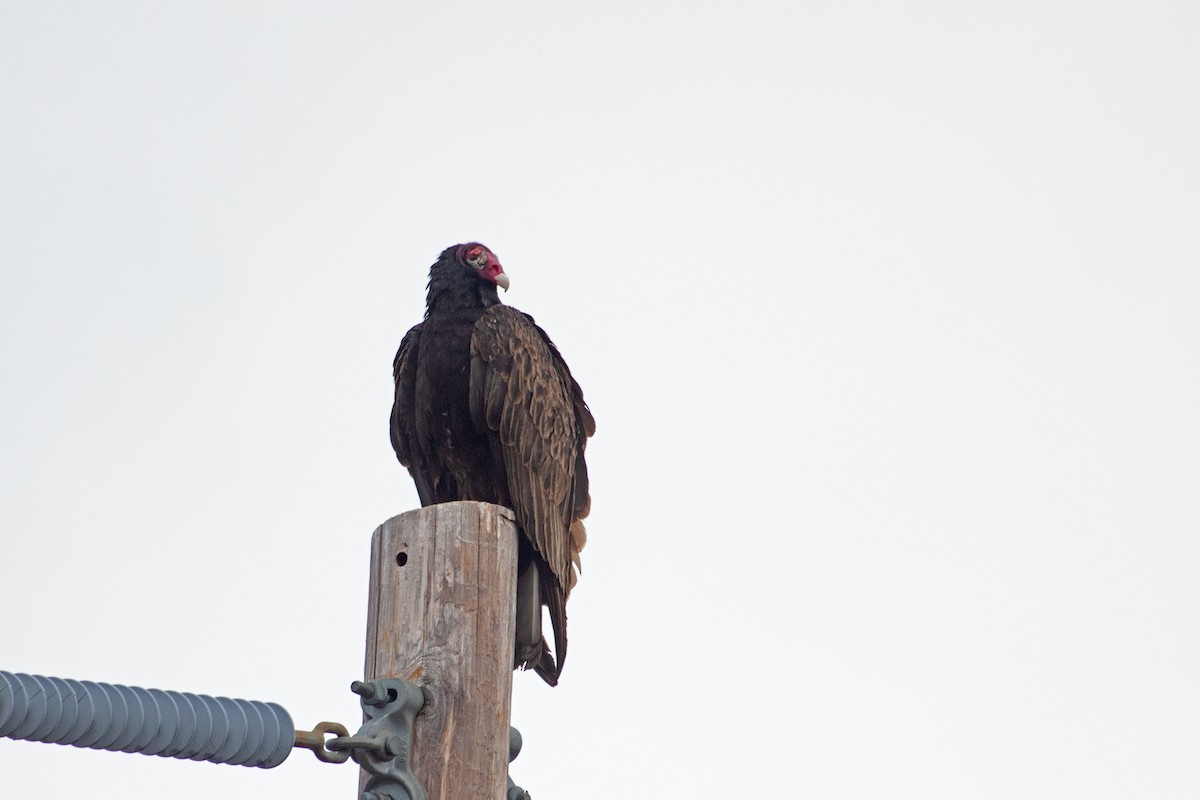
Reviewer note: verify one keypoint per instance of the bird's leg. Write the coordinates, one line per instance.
(529, 615)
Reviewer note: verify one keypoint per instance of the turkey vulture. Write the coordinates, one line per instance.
(486, 409)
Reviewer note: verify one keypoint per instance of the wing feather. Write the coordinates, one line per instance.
(404, 373)
(523, 394)
(404, 421)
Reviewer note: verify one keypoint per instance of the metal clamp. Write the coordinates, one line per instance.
(383, 745)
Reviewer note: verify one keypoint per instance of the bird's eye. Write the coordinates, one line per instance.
(476, 258)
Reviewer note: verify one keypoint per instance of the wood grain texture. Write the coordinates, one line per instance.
(445, 620)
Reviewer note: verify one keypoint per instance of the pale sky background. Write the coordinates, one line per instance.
(888, 315)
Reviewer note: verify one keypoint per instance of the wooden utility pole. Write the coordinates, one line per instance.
(442, 615)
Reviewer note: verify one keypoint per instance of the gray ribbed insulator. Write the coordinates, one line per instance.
(104, 716)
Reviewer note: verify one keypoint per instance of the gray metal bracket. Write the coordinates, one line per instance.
(383, 745)
(514, 749)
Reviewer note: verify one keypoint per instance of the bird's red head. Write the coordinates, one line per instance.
(483, 261)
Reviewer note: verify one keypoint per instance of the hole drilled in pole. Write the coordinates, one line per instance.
(401, 558)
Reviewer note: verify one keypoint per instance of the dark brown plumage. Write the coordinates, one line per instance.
(486, 409)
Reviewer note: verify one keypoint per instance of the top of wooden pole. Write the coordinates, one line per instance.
(441, 614)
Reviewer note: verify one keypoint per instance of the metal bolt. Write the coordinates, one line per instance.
(369, 692)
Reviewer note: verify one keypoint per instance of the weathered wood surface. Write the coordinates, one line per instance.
(444, 619)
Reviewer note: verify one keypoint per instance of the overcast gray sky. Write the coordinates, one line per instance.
(887, 314)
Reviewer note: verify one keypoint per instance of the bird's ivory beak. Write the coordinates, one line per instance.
(502, 280)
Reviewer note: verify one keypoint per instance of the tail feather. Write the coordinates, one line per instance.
(545, 666)
(555, 600)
